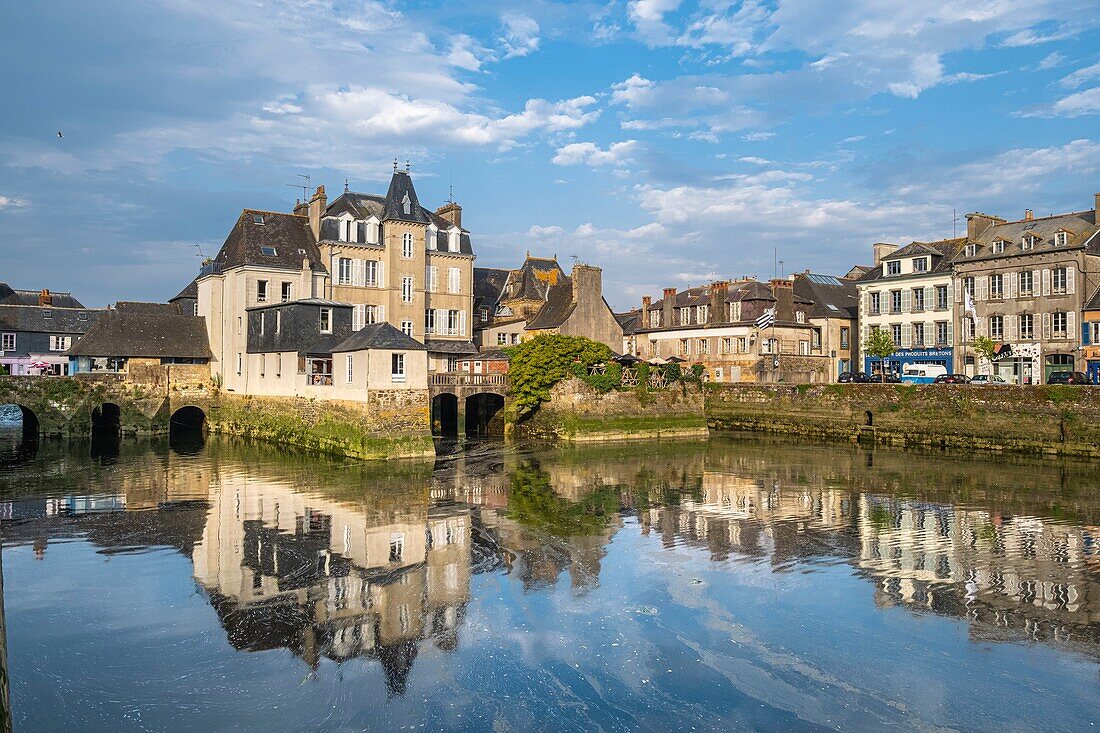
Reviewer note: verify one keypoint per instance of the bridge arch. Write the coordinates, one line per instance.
(481, 408)
(445, 414)
(27, 421)
(107, 420)
(186, 429)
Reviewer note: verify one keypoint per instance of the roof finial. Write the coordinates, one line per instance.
(406, 166)
(395, 165)
(345, 185)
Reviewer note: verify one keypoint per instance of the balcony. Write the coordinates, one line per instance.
(466, 379)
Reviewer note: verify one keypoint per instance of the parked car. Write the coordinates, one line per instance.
(854, 377)
(952, 379)
(891, 378)
(1068, 378)
(988, 379)
(922, 373)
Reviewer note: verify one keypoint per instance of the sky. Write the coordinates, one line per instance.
(671, 143)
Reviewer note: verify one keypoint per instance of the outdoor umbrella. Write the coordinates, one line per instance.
(657, 361)
(627, 359)
(676, 360)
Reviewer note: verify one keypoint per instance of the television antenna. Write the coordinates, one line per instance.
(303, 186)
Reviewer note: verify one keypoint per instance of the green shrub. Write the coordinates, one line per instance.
(673, 373)
(535, 366)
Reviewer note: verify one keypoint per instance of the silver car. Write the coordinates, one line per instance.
(985, 380)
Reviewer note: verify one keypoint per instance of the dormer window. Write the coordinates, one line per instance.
(349, 230)
(971, 250)
(406, 204)
(1028, 242)
(1060, 238)
(920, 264)
(268, 251)
(893, 267)
(454, 239)
(258, 219)
(372, 230)
(998, 246)
(430, 236)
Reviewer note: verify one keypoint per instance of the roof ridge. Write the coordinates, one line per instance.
(1051, 216)
(277, 213)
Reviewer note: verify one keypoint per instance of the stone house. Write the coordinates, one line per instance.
(1090, 336)
(716, 325)
(834, 317)
(909, 293)
(37, 327)
(1028, 282)
(540, 298)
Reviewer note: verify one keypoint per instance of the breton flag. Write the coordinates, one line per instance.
(969, 307)
(766, 319)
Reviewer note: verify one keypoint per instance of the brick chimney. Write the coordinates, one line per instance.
(44, 298)
(314, 209)
(881, 249)
(783, 292)
(977, 223)
(718, 293)
(452, 212)
(668, 307)
(1028, 214)
(587, 283)
(1096, 206)
(646, 303)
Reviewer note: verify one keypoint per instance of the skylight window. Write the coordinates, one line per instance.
(258, 219)
(267, 251)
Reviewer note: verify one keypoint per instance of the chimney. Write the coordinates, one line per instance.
(718, 293)
(881, 249)
(783, 292)
(44, 298)
(646, 303)
(1096, 206)
(587, 283)
(316, 209)
(668, 307)
(452, 212)
(977, 223)
(1028, 214)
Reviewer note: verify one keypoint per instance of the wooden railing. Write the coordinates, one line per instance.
(465, 379)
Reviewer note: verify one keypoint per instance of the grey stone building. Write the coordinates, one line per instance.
(1024, 284)
(36, 329)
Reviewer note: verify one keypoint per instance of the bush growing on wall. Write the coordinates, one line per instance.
(535, 366)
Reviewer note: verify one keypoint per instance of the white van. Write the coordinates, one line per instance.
(921, 373)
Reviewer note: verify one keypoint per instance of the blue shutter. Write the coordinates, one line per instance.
(1085, 327)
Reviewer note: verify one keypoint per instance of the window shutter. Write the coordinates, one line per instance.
(958, 292)
(462, 323)
(906, 301)
(1046, 325)
(950, 334)
(929, 298)
(441, 321)
(1071, 324)
(381, 314)
(979, 326)
(983, 287)
(381, 274)
(1086, 334)
(428, 279)
(1046, 282)
(906, 335)
(1069, 279)
(1012, 280)
(1010, 328)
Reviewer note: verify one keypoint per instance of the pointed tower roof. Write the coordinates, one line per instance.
(401, 202)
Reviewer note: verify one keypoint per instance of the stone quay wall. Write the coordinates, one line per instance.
(578, 413)
(389, 424)
(1059, 420)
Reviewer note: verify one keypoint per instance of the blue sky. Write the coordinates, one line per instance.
(669, 142)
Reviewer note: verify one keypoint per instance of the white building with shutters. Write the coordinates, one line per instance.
(910, 294)
(1029, 280)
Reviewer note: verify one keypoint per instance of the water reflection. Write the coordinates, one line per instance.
(341, 563)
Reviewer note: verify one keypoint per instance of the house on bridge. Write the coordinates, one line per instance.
(36, 329)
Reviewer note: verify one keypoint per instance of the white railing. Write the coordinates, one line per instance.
(466, 379)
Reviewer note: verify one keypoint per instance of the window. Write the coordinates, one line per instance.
(941, 333)
(263, 365)
(372, 231)
(268, 251)
(918, 334)
(1059, 283)
(895, 332)
(1058, 322)
(1094, 333)
(685, 347)
(454, 280)
(702, 313)
(431, 278)
(326, 320)
(704, 346)
(240, 326)
(895, 301)
(1027, 326)
(742, 345)
(430, 235)
(1027, 283)
(407, 245)
(195, 309)
(893, 267)
(800, 316)
(727, 345)
(685, 316)
(407, 328)
(968, 286)
(258, 219)
(351, 366)
(1060, 239)
(996, 286)
(397, 367)
(261, 291)
(454, 239)
(971, 250)
(240, 363)
(348, 230)
(502, 339)
(397, 547)
(278, 321)
(876, 303)
(456, 323)
(288, 292)
(278, 365)
(429, 322)
(262, 320)
(60, 343)
(941, 297)
(1028, 242)
(484, 314)
(845, 335)
(918, 299)
(371, 273)
(344, 277)
(47, 314)
(406, 289)
(997, 327)
(815, 338)
(920, 264)
(7, 342)
(998, 246)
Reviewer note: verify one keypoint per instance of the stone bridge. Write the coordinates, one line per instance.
(73, 406)
(467, 404)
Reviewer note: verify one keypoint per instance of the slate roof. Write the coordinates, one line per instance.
(190, 291)
(944, 252)
(153, 309)
(534, 279)
(379, 336)
(446, 346)
(401, 187)
(288, 234)
(137, 332)
(556, 310)
(32, 319)
(489, 282)
(1093, 303)
(12, 296)
(832, 297)
(1081, 227)
(302, 301)
(362, 206)
(629, 320)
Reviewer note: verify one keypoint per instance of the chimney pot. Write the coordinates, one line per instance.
(1028, 215)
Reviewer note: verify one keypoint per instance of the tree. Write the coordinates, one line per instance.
(985, 348)
(535, 366)
(880, 344)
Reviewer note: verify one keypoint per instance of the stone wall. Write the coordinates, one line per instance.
(390, 424)
(578, 413)
(1042, 419)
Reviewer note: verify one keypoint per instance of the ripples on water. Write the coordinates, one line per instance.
(733, 585)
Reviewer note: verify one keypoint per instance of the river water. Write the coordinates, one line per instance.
(725, 585)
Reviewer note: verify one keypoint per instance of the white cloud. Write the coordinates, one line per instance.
(467, 53)
(10, 202)
(755, 160)
(755, 137)
(519, 35)
(648, 17)
(1082, 76)
(1051, 60)
(1076, 105)
(591, 154)
(1031, 37)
